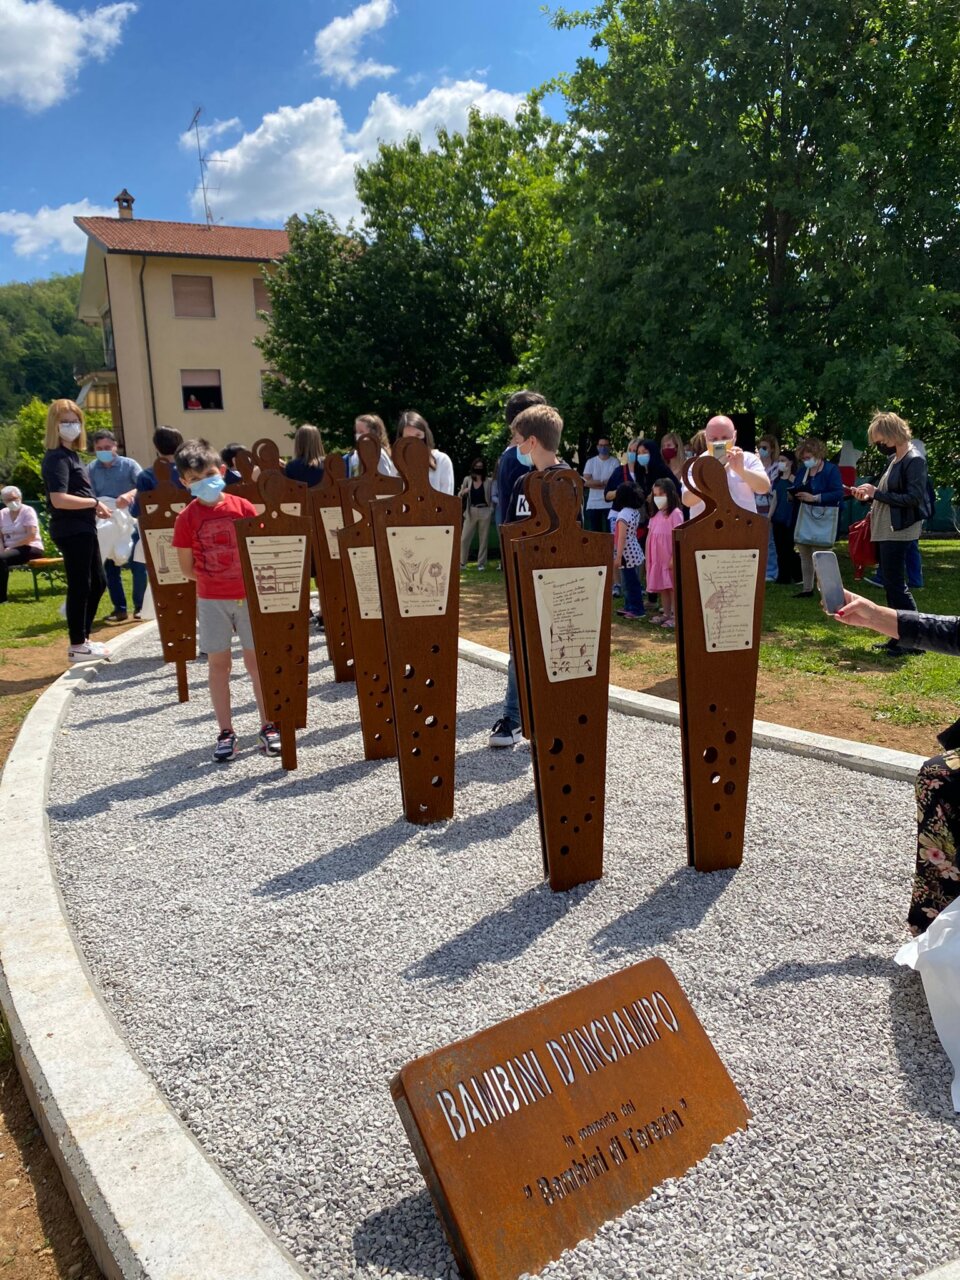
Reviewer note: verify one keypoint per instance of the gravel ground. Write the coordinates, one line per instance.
(277, 946)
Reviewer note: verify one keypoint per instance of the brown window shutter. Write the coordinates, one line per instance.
(261, 299)
(193, 297)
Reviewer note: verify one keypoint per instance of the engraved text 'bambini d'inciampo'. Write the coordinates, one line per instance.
(503, 1088)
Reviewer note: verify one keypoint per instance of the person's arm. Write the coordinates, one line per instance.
(185, 556)
(750, 470)
(860, 612)
(831, 495)
(619, 477)
(773, 502)
(619, 540)
(465, 487)
(913, 471)
(446, 481)
(589, 480)
(56, 477)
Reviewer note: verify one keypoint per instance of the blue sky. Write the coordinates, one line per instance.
(294, 92)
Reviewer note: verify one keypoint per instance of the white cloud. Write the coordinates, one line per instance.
(303, 158)
(337, 45)
(209, 132)
(43, 47)
(36, 234)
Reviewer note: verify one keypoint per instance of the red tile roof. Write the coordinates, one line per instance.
(185, 239)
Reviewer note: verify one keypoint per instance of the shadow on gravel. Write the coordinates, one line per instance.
(925, 1069)
(499, 937)
(348, 862)
(161, 778)
(679, 903)
(463, 833)
(402, 1239)
(868, 966)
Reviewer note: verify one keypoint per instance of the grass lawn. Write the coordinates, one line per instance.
(814, 673)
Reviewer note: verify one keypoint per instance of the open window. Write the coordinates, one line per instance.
(201, 389)
(193, 297)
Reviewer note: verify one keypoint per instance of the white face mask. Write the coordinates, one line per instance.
(70, 430)
(660, 499)
(13, 506)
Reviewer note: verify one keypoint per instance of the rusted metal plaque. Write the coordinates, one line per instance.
(266, 453)
(417, 541)
(563, 579)
(174, 596)
(532, 1134)
(327, 515)
(275, 559)
(359, 560)
(246, 464)
(720, 564)
(510, 535)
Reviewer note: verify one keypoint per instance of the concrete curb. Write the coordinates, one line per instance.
(150, 1202)
(861, 756)
(949, 1271)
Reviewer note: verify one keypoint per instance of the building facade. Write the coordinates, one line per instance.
(179, 307)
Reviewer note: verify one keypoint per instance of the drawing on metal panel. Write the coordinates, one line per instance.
(277, 564)
(728, 588)
(332, 518)
(569, 610)
(421, 568)
(165, 560)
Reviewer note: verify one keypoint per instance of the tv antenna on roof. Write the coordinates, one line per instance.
(203, 162)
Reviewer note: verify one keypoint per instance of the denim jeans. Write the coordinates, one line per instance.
(633, 590)
(511, 703)
(773, 568)
(115, 584)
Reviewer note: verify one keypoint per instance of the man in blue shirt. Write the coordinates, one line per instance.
(115, 477)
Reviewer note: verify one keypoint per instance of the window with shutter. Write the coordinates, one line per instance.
(201, 389)
(193, 297)
(261, 298)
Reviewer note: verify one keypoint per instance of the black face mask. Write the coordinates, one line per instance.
(886, 449)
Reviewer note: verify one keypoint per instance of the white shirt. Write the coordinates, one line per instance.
(598, 468)
(14, 526)
(441, 476)
(740, 491)
(385, 466)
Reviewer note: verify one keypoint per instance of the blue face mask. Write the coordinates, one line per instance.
(643, 459)
(764, 451)
(631, 458)
(523, 459)
(603, 451)
(809, 462)
(208, 489)
(105, 455)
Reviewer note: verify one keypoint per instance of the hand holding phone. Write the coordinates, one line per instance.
(718, 449)
(827, 569)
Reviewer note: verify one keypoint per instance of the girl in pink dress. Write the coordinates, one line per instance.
(660, 548)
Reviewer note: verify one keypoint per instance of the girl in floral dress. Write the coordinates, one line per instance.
(660, 548)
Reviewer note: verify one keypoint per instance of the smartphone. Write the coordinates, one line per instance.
(827, 569)
(718, 449)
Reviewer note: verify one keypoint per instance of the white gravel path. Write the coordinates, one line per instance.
(277, 946)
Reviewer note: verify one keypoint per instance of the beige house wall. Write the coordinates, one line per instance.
(224, 342)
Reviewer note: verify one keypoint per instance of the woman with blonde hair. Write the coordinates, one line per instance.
(671, 449)
(371, 426)
(818, 487)
(898, 506)
(306, 465)
(74, 510)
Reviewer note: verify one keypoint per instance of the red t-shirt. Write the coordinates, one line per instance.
(210, 535)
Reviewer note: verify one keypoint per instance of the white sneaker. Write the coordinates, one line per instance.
(89, 652)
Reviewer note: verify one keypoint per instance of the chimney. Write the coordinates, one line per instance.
(124, 203)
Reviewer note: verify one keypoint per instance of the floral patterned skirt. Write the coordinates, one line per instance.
(937, 882)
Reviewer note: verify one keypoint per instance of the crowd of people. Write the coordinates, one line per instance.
(640, 497)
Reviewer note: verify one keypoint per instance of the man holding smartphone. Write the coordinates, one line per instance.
(746, 474)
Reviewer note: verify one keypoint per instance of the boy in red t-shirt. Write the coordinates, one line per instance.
(206, 543)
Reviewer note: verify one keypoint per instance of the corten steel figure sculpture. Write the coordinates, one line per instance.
(359, 561)
(720, 561)
(510, 534)
(275, 559)
(417, 540)
(266, 454)
(562, 624)
(327, 516)
(174, 596)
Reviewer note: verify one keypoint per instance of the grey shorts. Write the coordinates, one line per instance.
(217, 621)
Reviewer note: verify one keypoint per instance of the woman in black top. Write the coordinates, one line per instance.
(306, 464)
(73, 525)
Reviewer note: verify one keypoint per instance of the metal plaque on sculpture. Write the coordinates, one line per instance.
(363, 565)
(570, 609)
(421, 568)
(332, 523)
(166, 563)
(728, 591)
(277, 564)
(532, 1134)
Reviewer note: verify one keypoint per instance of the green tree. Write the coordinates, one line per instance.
(764, 214)
(42, 343)
(437, 298)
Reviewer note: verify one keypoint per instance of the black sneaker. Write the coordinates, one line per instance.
(118, 615)
(269, 739)
(505, 733)
(226, 747)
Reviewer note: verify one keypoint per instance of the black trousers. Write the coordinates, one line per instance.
(597, 519)
(892, 557)
(18, 555)
(788, 562)
(85, 582)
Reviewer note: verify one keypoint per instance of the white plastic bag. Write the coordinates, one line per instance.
(935, 955)
(123, 537)
(148, 610)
